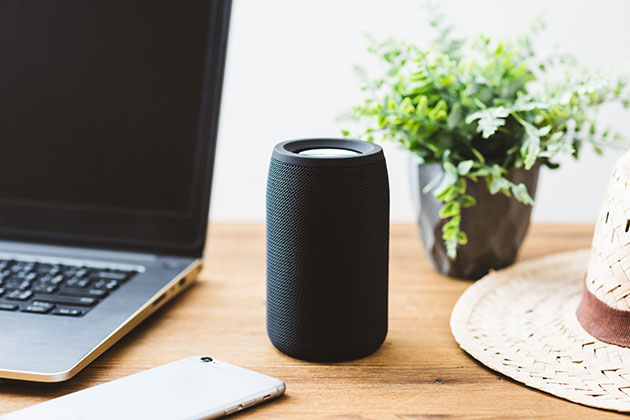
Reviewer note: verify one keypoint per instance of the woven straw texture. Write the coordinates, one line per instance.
(521, 322)
(609, 266)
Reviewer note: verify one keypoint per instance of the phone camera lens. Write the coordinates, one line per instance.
(206, 359)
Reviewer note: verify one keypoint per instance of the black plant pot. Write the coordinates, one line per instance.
(495, 226)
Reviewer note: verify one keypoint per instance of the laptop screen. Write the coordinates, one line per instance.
(106, 109)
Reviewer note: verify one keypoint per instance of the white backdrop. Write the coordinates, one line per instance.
(289, 75)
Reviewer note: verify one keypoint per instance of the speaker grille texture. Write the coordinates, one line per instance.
(327, 260)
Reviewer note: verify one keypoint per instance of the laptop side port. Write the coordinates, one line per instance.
(159, 300)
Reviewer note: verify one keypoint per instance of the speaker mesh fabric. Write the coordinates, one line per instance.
(327, 260)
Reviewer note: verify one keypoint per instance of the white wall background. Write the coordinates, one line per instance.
(289, 75)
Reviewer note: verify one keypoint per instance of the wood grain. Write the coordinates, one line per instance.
(419, 373)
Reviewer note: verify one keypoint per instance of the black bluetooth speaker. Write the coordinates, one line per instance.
(327, 249)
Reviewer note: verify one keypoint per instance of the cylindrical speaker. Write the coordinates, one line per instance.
(327, 249)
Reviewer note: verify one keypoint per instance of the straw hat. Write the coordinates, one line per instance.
(561, 323)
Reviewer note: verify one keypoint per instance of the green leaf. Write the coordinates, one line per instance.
(462, 239)
(464, 167)
(462, 185)
(488, 120)
(452, 225)
(448, 166)
(449, 194)
(455, 116)
(468, 201)
(530, 151)
(449, 209)
(499, 184)
(495, 186)
(451, 247)
(448, 234)
(531, 148)
(438, 113)
(521, 194)
(450, 178)
(345, 133)
(390, 104)
(406, 107)
(422, 108)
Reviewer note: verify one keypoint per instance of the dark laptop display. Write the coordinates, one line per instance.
(108, 123)
(105, 120)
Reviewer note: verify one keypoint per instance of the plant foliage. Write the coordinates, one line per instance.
(481, 107)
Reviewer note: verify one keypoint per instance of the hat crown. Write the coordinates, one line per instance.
(608, 275)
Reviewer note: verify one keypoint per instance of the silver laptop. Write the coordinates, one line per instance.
(108, 122)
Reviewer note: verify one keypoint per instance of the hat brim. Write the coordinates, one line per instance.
(521, 322)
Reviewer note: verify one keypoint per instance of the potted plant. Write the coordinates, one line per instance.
(480, 116)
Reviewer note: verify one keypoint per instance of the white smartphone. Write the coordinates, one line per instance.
(194, 388)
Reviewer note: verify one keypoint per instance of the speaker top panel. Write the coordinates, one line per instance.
(328, 152)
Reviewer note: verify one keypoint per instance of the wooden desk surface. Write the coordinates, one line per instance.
(419, 373)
